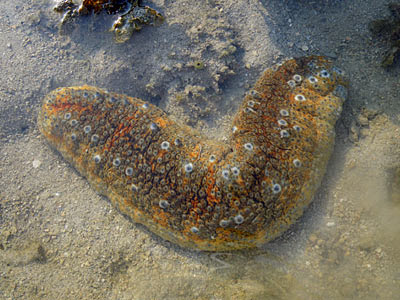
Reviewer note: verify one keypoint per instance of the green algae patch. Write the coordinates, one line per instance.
(131, 15)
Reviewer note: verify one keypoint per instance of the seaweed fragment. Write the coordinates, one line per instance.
(389, 29)
(131, 15)
(64, 5)
(133, 20)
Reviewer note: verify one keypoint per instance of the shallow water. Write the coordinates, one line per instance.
(60, 240)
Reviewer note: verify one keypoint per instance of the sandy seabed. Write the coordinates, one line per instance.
(60, 240)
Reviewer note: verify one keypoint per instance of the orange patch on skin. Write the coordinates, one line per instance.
(162, 122)
(161, 217)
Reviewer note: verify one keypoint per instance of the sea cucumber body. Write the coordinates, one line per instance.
(196, 192)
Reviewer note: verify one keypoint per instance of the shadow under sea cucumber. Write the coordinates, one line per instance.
(193, 191)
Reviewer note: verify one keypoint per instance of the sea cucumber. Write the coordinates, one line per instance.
(196, 192)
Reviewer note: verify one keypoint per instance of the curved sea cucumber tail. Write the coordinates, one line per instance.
(191, 190)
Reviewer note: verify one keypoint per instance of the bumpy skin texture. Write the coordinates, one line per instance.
(191, 190)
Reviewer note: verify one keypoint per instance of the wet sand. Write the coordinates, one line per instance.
(60, 240)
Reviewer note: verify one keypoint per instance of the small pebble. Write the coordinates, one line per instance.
(36, 163)
(304, 48)
(313, 238)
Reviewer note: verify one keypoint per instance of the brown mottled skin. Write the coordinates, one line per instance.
(196, 192)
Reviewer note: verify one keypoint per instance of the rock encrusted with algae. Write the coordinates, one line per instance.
(389, 29)
(132, 16)
(196, 192)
